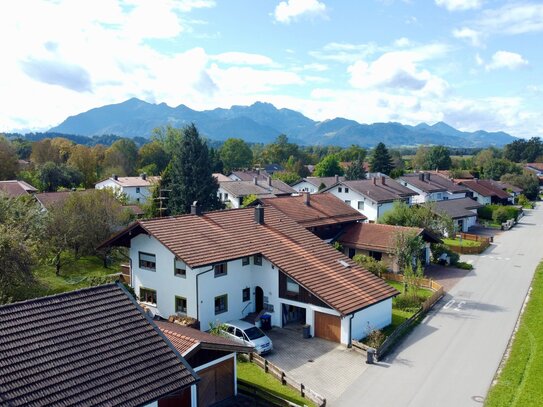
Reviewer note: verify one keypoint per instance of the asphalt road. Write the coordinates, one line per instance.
(451, 358)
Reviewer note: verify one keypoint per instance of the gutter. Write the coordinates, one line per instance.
(350, 340)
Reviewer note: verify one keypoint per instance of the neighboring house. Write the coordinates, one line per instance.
(225, 265)
(379, 241)
(271, 168)
(371, 197)
(14, 188)
(462, 211)
(212, 357)
(94, 346)
(137, 189)
(431, 187)
(323, 214)
(220, 177)
(260, 175)
(512, 190)
(233, 192)
(535, 168)
(312, 184)
(486, 192)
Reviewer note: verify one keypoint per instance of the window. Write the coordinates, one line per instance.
(180, 305)
(339, 189)
(147, 261)
(245, 261)
(137, 190)
(225, 196)
(221, 304)
(360, 205)
(137, 199)
(180, 269)
(348, 202)
(346, 190)
(257, 259)
(292, 286)
(148, 296)
(246, 294)
(221, 269)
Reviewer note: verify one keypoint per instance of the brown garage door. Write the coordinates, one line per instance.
(327, 326)
(217, 383)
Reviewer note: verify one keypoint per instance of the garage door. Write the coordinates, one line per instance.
(327, 326)
(217, 383)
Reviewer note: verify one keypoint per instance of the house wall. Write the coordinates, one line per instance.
(467, 222)
(456, 195)
(370, 208)
(227, 198)
(305, 186)
(131, 192)
(484, 200)
(375, 317)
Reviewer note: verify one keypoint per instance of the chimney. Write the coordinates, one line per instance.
(428, 176)
(269, 181)
(115, 177)
(421, 176)
(374, 180)
(259, 215)
(258, 171)
(195, 209)
(383, 179)
(307, 198)
(143, 176)
(254, 180)
(336, 178)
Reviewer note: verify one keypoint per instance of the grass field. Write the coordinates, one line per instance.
(83, 272)
(463, 243)
(520, 382)
(256, 376)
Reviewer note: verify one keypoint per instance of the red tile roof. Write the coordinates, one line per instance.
(219, 236)
(322, 209)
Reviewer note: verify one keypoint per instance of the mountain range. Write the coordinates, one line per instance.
(263, 122)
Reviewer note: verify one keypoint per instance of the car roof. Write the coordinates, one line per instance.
(240, 324)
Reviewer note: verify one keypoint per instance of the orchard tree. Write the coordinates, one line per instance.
(235, 155)
(380, 160)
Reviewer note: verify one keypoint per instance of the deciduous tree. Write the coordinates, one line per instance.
(8, 160)
(328, 167)
(235, 154)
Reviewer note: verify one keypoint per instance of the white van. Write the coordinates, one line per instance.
(248, 334)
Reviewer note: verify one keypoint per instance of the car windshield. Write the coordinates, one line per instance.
(254, 333)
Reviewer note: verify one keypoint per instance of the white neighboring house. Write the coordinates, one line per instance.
(312, 184)
(371, 197)
(137, 189)
(227, 265)
(432, 187)
(231, 193)
(462, 211)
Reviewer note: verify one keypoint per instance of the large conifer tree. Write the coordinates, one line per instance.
(381, 161)
(189, 176)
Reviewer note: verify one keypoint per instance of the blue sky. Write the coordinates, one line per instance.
(475, 64)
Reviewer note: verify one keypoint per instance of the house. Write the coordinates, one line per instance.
(371, 197)
(462, 211)
(271, 168)
(94, 346)
(225, 265)
(486, 192)
(379, 241)
(431, 187)
(212, 357)
(312, 184)
(535, 168)
(220, 177)
(136, 189)
(233, 192)
(15, 188)
(323, 214)
(247, 175)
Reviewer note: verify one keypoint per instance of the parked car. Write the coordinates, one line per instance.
(248, 334)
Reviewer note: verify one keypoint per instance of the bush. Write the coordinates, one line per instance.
(439, 249)
(524, 202)
(407, 302)
(464, 266)
(375, 338)
(485, 212)
(369, 263)
(500, 215)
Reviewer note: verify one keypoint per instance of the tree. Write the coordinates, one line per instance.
(85, 161)
(64, 148)
(190, 178)
(235, 154)
(248, 200)
(352, 153)
(8, 160)
(44, 151)
(376, 267)
(152, 158)
(422, 216)
(523, 150)
(355, 170)
(527, 181)
(122, 154)
(280, 150)
(215, 159)
(380, 160)
(432, 158)
(407, 248)
(289, 178)
(328, 167)
(496, 168)
(52, 176)
(485, 156)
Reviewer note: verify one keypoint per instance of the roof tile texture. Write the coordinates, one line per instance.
(431, 182)
(382, 189)
(374, 236)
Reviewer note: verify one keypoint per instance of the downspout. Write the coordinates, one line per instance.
(197, 293)
(350, 341)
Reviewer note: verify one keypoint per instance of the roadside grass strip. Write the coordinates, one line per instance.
(520, 382)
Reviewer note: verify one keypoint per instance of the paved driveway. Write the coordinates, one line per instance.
(325, 367)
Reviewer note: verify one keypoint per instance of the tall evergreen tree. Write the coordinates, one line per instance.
(190, 177)
(355, 170)
(381, 161)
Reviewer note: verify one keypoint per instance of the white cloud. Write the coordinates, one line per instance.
(505, 59)
(472, 36)
(478, 60)
(290, 10)
(516, 18)
(402, 42)
(242, 58)
(455, 5)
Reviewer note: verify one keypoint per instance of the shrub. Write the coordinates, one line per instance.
(369, 263)
(407, 302)
(524, 202)
(439, 249)
(375, 338)
(485, 212)
(500, 215)
(464, 266)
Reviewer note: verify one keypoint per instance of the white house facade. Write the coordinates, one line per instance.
(137, 189)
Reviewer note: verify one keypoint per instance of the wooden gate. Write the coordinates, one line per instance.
(327, 326)
(217, 383)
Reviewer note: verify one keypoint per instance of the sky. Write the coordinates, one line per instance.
(474, 64)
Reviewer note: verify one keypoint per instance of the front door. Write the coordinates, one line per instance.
(259, 299)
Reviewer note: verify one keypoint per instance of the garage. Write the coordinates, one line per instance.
(327, 327)
(217, 383)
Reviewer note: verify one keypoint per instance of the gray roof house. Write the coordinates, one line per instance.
(432, 187)
(463, 211)
(233, 192)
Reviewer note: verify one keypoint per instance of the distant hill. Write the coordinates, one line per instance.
(263, 122)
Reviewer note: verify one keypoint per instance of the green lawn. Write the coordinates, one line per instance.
(255, 375)
(84, 272)
(463, 243)
(519, 383)
(423, 293)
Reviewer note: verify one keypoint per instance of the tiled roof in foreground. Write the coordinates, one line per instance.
(87, 347)
(226, 235)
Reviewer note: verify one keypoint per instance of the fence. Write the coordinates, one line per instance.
(422, 282)
(257, 394)
(287, 380)
(483, 240)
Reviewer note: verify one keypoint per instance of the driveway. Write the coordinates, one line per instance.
(325, 367)
(446, 276)
(451, 358)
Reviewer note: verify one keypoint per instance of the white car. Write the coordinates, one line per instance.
(248, 334)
